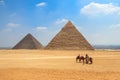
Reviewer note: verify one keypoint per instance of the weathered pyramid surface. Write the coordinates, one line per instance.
(69, 38)
(28, 42)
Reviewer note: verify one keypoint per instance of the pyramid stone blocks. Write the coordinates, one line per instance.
(28, 42)
(69, 38)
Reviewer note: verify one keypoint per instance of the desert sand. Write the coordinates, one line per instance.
(58, 65)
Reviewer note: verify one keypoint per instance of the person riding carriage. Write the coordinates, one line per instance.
(87, 58)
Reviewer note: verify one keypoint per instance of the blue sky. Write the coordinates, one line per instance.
(97, 20)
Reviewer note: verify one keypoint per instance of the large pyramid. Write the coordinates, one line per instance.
(28, 42)
(69, 38)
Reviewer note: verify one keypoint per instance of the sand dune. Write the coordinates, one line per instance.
(58, 65)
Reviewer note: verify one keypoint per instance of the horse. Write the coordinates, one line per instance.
(89, 60)
(80, 58)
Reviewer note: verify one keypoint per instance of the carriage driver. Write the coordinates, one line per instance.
(86, 57)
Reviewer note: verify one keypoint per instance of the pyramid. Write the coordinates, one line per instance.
(28, 42)
(69, 38)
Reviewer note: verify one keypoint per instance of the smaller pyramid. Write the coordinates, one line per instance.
(28, 42)
(69, 38)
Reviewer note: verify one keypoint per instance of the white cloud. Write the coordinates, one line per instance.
(7, 30)
(2, 2)
(115, 26)
(95, 9)
(12, 25)
(41, 28)
(40, 4)
(60, 21)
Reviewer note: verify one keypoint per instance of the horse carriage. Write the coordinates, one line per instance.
(86, 59)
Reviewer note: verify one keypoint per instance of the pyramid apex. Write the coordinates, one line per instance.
(69, 22)
(29, 34)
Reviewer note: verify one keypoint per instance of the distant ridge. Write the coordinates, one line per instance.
(28, 42)
(115, 47)
(7, 48)
(69, 38)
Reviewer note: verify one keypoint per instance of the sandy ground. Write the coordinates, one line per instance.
(58, 65)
